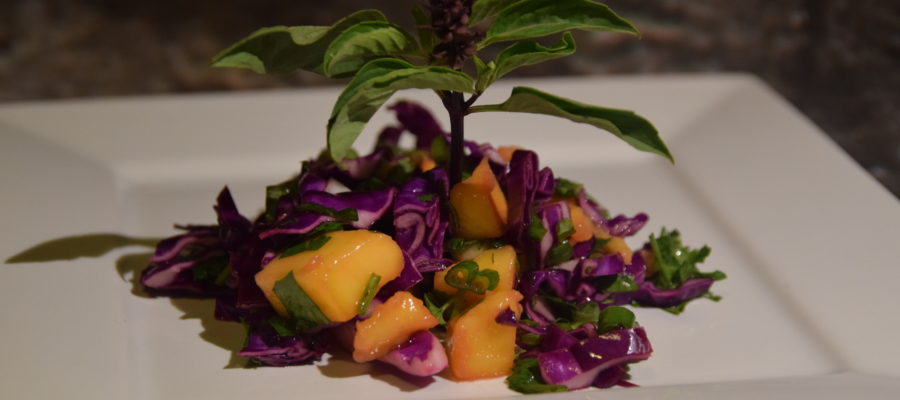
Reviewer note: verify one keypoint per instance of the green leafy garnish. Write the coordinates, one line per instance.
(303, 311)
(628, 126)
(368, 294)
(345, 215)
(615, 317)
(526, 378)
(675, 263)
(560, 253)
(308, 245)
(465, 275)
(567, 189)
(438, 304)
(538, 18)
(536, 229)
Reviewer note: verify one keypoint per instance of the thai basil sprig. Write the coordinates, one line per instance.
(382, 58)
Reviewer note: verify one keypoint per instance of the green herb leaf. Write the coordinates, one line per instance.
(523, 54)
(567, 189)
(676, 263)
(274, 193)
(345, 215)
(425, 197)
(628, 126)
(621, 283)
(282, 326)
(614, 317)
(307, 245)
(586, 313)
(564, 229)
(438, 303)
(536, 229)
(368, 294)
(560, 253)
(483, 9)
(465, 275)
(526, 378)
(372, 86)
(302, 309)
(284, 49)
(539, 18)
(211, 269)
(363, 42)
(426, 36)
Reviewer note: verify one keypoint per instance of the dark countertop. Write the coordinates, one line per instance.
(838, 61)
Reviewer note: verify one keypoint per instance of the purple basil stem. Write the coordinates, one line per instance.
(649, 295)
(421, 355)
(281, 351)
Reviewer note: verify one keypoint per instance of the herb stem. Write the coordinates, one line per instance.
(457, 108)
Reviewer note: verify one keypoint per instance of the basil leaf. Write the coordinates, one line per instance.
(284, 49)
(676, 263)
(373, 85)
(526, 53)
(308, 245)
(566, 189)
(526, 378)
(621, 283)
(345, 215)
(282, 326)
(427, 40)
(482, 9)
(614, 317)
(564, 229)
(588, 312)
(560, 253)
(485, 73)
(438, 303)
(368, 294)
(628, 126)
(539, 18)
(363, 42)
(536, 229)
(274, 194)
(302, 309)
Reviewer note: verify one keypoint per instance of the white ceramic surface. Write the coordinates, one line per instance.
(806, 237)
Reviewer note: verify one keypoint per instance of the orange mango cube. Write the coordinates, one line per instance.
(614, 245)
(584, 227)
(479, 347)
(390, 325)
(335, 275)
(480, 205)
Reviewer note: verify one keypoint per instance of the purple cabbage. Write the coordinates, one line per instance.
(419, 222)
(278, 351)
(170, 269)
(369, 206)
(594, 360)
(421, 355)
(649, 295)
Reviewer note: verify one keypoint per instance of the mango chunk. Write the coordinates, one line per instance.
(480, 205)
(479, 347)
(584, 227)
(335, 275)
(506, 152)
(614, 245)
(502, 260)
(390, 325)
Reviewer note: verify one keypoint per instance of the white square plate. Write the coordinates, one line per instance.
(807, 238)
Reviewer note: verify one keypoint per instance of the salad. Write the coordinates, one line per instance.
(447, 254)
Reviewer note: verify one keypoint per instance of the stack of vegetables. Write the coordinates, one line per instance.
(510, 272)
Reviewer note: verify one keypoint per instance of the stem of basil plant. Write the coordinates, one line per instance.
(457, 108)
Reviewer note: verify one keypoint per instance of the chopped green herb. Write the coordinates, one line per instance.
(304, 312)
(308, 245)
(425, 197)
(615, 317)
(676, 263)
(465, 275)
(560, 253)
(536, 229)
(368, 294)
(567, 189)
(346, 215)
(438, 303)
(282, 326)
(211, 269)
(274, 194)
(526, 378)
(564, 229)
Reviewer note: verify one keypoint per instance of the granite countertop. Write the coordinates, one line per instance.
(838, 61)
